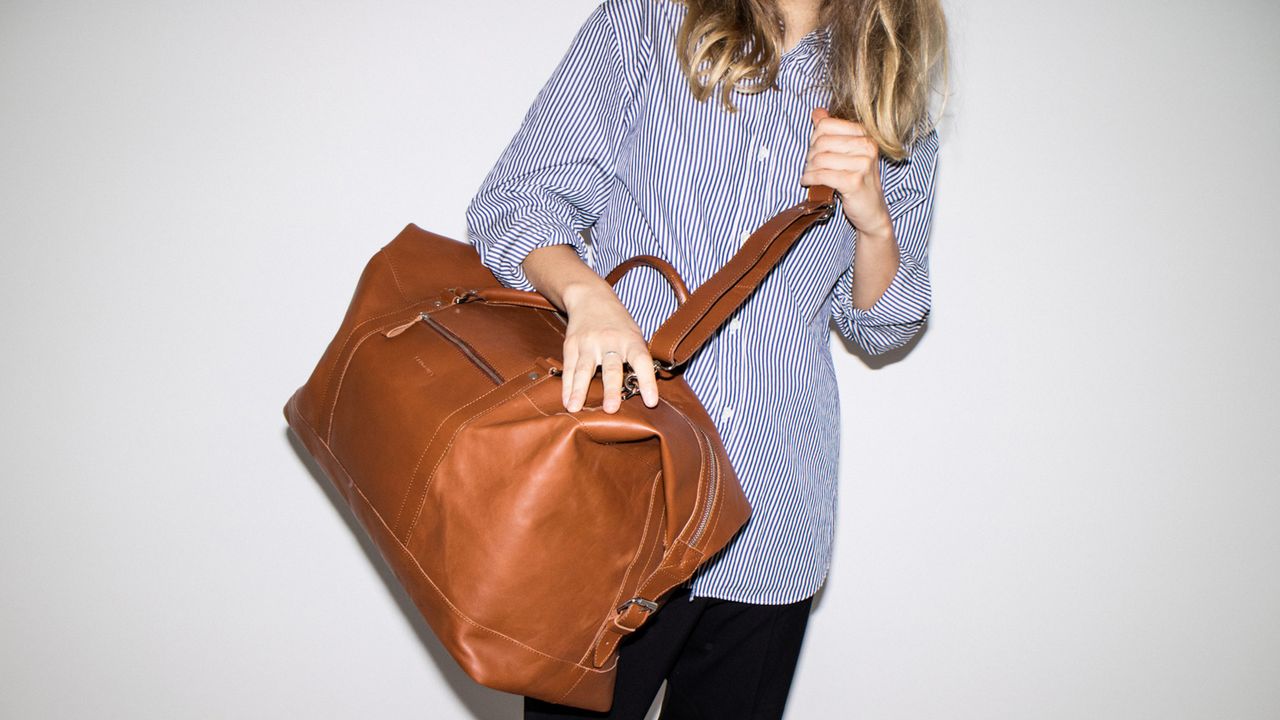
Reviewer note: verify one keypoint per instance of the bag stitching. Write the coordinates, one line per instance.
(653, 495)
(421, 571)
(413, 476)
(445, 452)
(574, 686)
(334, 385)
(395, 276)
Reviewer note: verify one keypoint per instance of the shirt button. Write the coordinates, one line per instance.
(726, 414)
(763, 154)
(743, 238)
(734, 324)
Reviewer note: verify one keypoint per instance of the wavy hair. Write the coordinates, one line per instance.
(884, 58)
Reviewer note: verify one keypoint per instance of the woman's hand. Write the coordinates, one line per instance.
(601, 331)
(843, 157)
(603, 334)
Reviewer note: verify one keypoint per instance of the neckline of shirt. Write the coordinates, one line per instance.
(800, 67)
(814, 42)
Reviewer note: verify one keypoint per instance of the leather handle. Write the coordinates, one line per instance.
(695, 321)
(525, 298)
(668, 271)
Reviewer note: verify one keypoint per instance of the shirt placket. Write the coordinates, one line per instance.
(759, 177)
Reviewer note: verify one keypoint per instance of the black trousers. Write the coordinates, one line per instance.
(721, 659)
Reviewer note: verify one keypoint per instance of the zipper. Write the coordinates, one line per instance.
(467, 351)
(712, 487)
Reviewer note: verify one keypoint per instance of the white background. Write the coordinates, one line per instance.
(1061, 504)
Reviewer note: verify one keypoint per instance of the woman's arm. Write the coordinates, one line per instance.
(884, 297)
(843, 156)
(553, 181)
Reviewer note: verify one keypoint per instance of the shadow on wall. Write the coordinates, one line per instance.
(481, 702)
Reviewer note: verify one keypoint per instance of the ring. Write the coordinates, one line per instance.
(611, 352)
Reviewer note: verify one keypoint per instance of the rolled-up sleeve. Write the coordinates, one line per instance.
(553, 180)
(901, 311)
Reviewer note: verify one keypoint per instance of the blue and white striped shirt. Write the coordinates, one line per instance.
(615, 142)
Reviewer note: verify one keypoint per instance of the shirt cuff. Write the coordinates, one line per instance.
(504, 258)
(895, 317)
(904, 302)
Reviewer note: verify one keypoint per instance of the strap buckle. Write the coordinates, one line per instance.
(647, 605)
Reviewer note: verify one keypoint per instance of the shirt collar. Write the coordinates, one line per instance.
(814, 43)
(805, 65)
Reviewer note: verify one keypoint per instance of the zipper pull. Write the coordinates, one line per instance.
(401, 328)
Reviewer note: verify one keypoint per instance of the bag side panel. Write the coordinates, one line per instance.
(488, 657)
(396, 406)
(536, 528)
(414, 267)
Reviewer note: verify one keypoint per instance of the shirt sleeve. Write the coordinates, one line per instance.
(553, 180)
(901, 311)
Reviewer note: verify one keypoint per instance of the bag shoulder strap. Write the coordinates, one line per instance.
(703, 311)
(697, 319)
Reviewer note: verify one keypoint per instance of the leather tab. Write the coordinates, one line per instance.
(677, 565)
(512, 296)
(630, 619)
(821, 195)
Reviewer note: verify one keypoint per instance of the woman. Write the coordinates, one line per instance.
(675, 129)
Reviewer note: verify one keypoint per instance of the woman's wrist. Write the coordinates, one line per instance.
(584, 293)
(562, 277)
(878, 232)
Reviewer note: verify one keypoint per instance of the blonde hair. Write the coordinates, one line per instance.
(884, 57)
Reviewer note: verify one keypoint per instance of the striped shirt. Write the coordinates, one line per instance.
(616, 142)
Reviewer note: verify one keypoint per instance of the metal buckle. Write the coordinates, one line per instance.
(648, 605)
(630, 386)
(631, 383)
(661, 367)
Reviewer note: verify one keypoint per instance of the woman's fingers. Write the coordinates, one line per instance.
(642, 365)
(840, 161)
(858, 145)
(566, 373)
(603, 335)
(583, 371)
(823, 123)
(579, 370)
(839, 145)
(611, 364)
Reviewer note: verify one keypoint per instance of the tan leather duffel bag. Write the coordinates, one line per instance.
(531, 539)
